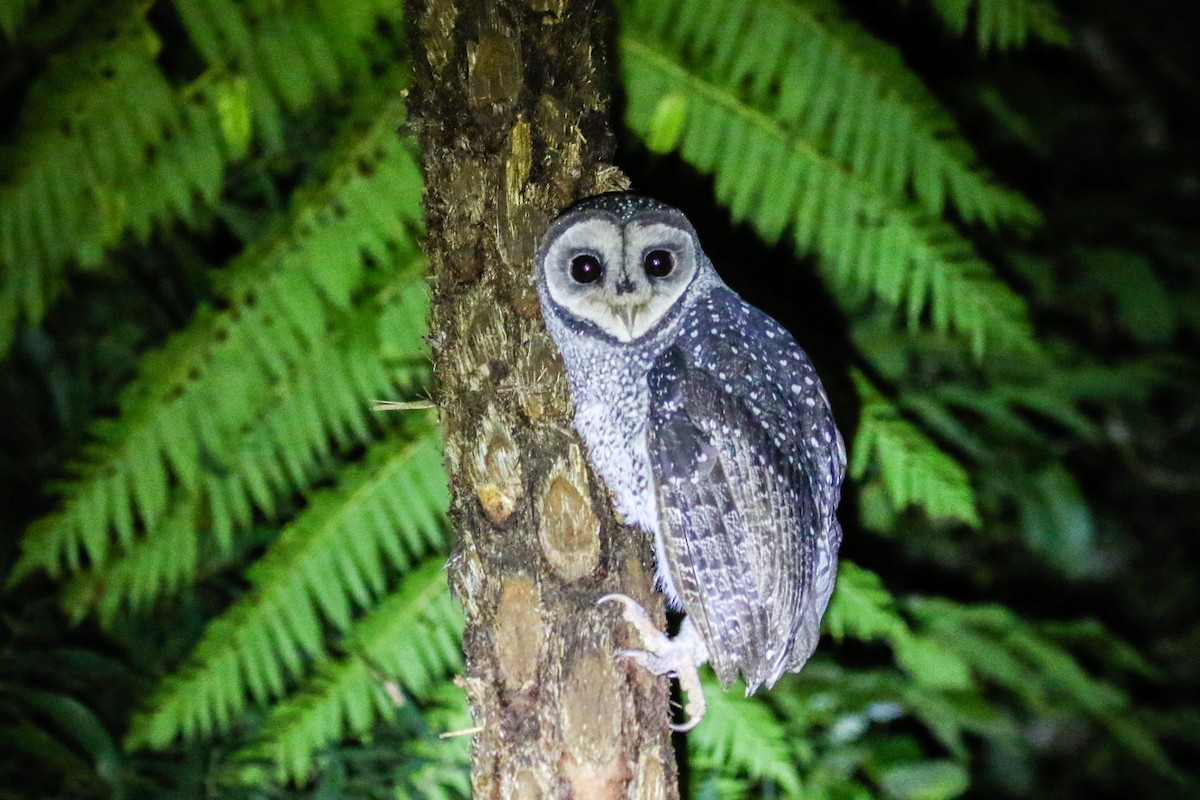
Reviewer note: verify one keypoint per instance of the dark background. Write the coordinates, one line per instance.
(1103, 137)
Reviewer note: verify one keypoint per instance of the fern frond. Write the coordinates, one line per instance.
(915, 471)
(325, 400)
(153, 566)
(199, 393)
(443, 766)
(1003, 24)
(951, 715)
(109, 147)
(410, 641)
(741, 736)
(829, 708)
(285, 448)
(861, 607)
(404, 756)
(828, 82)
(288, 53)
(949, 649)
(1012, 654)
(101, 117)
(976, 633)
(780, 181)
(326, 563)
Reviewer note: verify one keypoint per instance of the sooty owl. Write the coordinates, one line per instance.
(709, 426)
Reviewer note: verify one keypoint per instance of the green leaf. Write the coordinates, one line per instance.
(1057, 522)
(1004, 24)
(914, 470)
(78, 722)
(393, 648)
(666, 125)
(216, 383)
(1143, 305)
(233, 110)
(860, 606)
(924, 780)
(930, 663)
(740, 736)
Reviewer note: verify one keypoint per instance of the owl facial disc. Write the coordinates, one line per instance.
(621, 275)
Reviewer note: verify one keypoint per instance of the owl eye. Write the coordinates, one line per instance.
(659, 263)
(586, 269)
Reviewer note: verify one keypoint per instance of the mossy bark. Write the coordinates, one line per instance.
(511, 103)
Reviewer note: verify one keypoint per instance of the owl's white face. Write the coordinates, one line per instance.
(622, 277)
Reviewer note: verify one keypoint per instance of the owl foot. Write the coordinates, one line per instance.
(662, 655)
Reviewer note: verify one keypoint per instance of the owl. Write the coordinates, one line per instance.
(712, 432)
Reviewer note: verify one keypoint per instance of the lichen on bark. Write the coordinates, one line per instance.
(511, 104)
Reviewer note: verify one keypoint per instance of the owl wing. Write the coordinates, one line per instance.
(747, 479)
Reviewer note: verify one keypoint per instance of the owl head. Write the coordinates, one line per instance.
(618, 264)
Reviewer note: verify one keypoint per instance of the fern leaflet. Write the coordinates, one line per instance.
(1026, 662)
(861, 607)
(913, 469)
(1003, 24)
(289, 54)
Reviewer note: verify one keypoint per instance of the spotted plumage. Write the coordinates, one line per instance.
(708, 424)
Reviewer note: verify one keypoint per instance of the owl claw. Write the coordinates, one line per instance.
(635, 615)
(663, 655)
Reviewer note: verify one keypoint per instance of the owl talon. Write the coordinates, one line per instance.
(680, 657)
(634, 614)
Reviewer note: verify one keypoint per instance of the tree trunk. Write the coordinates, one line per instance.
(512, 106)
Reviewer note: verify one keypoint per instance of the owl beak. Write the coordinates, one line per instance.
(628, 315)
